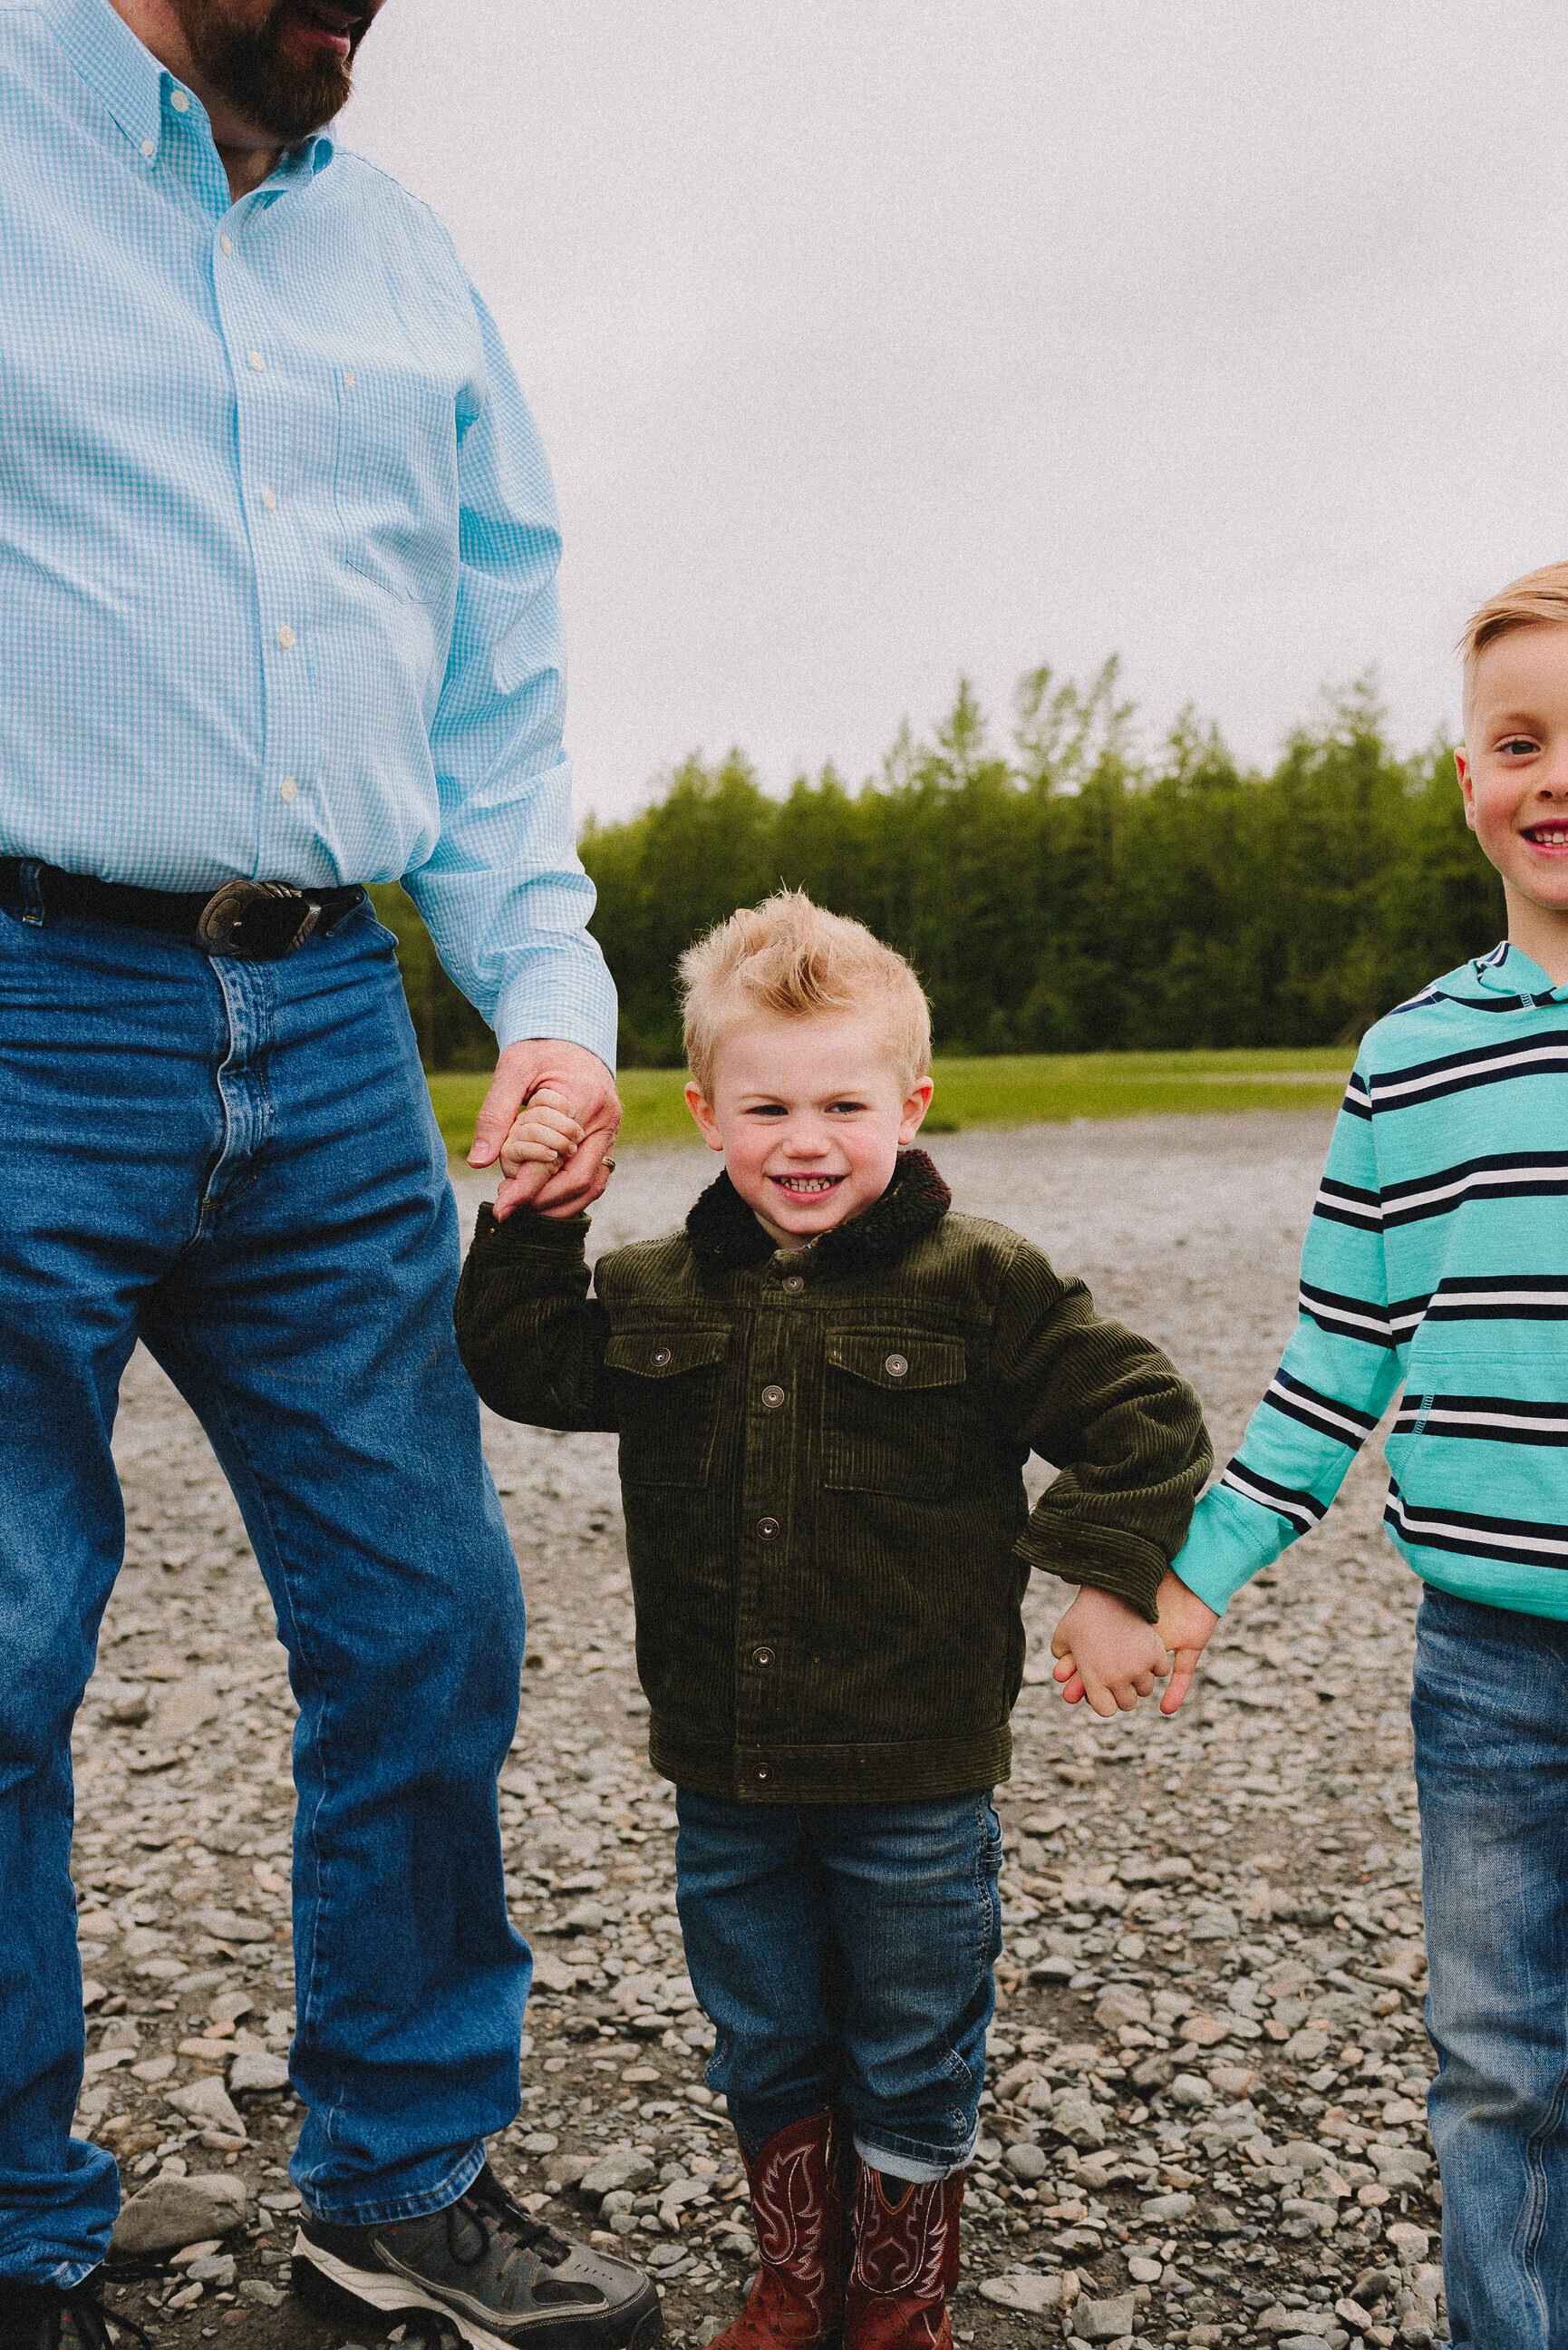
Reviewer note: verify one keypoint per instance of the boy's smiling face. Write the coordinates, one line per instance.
(1513, 771)
(809, 1113)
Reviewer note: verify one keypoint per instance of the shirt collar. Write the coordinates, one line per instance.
(137, 88)
(1508, 972)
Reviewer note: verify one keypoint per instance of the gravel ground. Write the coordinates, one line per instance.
(1205, 2122)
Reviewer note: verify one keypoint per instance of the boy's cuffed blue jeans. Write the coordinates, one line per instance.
(237, 1163)
(844, 1953)
(1491, 1716)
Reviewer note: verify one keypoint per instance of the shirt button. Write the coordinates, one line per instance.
(767, 1528)
(288, 789)
(150, 146)
(285, 638)
(258, 362)
(227, 242)
(794, 1280)
(658, 1357)
(763, 1657)
(179, 101)
(773, 1398)
(896, 1367)
(268, 500)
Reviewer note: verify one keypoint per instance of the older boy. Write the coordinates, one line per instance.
(1437, 1260)
(825, 1388)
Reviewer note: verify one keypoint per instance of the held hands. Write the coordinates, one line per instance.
(550, 1117)
(1107, 1653)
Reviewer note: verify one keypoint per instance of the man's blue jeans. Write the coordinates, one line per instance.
(1491, 1715)
(845, 1952)
(236, 1162)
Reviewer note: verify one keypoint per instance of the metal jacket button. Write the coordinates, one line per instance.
(895, 1365)
(795, 1281)
(767, 1528)
(762, 1770)
(763, 1657)
(659, 1357)
(773, 1398)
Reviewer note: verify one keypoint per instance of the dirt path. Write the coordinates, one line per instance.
(1208, 2068)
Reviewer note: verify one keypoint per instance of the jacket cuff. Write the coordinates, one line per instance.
(1125, 1564)
(523, 1230)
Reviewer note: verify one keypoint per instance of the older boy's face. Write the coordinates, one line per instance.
(809, 1114)
(1513, 768)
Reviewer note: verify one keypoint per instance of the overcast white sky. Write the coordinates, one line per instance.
(873, 341)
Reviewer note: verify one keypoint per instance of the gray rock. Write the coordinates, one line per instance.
(1215, 1925)
(1023, 2291)
(255, 2068)
(571, 2169)
(170, 2212)
(1301, 2217)
(1167, 2207)
(554, 1974)
(265, 2296)
(228, 1926)
(1191, 2089)
(1025, 2161)
(620, 2168)
(217, 2268)
(207, 2103)
(1121, 2004)
(1076, 2118)
(584, 1918)
(1104, 2320)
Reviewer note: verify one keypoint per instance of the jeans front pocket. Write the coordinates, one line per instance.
(890, 1413)
(667, 1384)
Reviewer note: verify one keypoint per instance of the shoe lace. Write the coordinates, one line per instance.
(505, 2228)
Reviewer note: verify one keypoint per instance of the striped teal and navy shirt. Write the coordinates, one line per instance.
(277, 538)
(1437, 1262)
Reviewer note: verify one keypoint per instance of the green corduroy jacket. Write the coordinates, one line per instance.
(820, 1459)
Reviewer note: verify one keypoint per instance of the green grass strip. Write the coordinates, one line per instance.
(1011, 1089)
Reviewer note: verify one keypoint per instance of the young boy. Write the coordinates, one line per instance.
(1437, 1260)
(825, 1388)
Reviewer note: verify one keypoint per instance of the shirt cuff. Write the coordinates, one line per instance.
(581, 1012)
(1230, 1541)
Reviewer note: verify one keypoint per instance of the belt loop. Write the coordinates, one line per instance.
(31, 878)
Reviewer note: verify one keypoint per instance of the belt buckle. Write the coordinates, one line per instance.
(222, 923)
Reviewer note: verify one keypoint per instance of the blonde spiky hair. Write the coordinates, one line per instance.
(1540, 598)
(789, 957)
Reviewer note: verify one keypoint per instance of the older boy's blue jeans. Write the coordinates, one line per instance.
(844, 1953)
(1491, 1715)
(237, 1163)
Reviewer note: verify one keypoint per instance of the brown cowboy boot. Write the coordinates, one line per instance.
(906, 2262)
(797, 2202)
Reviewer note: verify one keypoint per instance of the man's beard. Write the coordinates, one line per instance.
(248, 65)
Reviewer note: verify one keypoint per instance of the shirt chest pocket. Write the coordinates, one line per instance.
(890, 1414)
(395, 478)
(666, 1388)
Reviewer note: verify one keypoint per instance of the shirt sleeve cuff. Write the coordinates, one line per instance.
(1229, 1542)
(586, 1016)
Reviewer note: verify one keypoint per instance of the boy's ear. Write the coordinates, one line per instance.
(702, 1109)
(1467, 783)
(915, 1108)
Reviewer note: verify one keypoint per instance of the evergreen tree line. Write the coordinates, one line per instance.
(1063, 894)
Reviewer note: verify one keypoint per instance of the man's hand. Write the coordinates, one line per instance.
(1185, 1625)
(1107, 1653)
(580, 1098)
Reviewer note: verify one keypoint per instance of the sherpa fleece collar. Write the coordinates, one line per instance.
(725, 1235)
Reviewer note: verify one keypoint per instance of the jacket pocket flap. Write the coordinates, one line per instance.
(886, 1360)
(657, 1354)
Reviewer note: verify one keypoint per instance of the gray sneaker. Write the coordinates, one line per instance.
(498, 2278)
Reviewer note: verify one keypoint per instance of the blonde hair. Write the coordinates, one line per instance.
(789, 957)
(1540, 598)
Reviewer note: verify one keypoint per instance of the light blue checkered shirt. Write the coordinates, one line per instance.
(277, 538)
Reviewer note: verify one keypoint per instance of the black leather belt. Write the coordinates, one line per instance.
(260, 921)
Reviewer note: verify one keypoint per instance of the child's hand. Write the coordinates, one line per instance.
(1107, 1653)
(1185, 1624)
(542, 1132)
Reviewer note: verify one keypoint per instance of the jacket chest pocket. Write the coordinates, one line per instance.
(890, 1414)
(667, 1385)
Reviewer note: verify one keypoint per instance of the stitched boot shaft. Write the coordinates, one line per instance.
(906, 2262)
(798, 2205)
